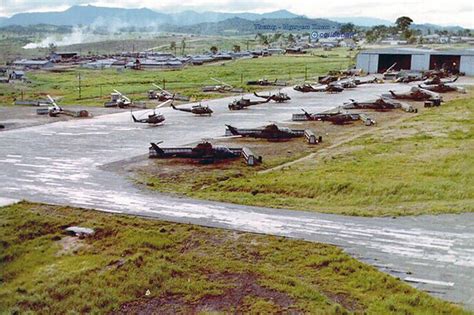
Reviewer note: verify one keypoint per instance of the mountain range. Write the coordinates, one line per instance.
(237, 25)
(87, 15)
(362, 21)
(204, 22)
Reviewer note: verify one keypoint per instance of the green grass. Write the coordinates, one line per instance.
(422, 166)
(185, 267)
(98, 84)
(12, 43)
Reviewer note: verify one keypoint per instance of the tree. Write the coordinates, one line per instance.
(403, 24)
(347, 28)
(376, 33)
(262, 39)
(183, 45)
(306, 35)
(276, 37)
(52, 48)
(213, 50)
(236, 48)
(173, 46)
(291, 39)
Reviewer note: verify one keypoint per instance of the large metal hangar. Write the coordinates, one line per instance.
(379, 60)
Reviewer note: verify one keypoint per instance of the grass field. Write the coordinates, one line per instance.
(185, 268)
(421, 166)
(12, 43)
(96, 85)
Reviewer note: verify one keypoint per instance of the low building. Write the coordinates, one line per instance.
(201, 59)
(393, 42)
(222, 56)
(295, 50)
(32, 64)
(379, 60)
(431, 38)
(347, 42)
(63, 56)
(99, 64)
(160, 55)
(154, 64)
(16, 74)
(276, 51)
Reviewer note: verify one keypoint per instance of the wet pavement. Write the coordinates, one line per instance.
(60, 163)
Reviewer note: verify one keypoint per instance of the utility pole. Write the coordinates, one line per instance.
(79, 88)
(305, 73)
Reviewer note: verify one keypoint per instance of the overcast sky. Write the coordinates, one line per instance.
(443, 12)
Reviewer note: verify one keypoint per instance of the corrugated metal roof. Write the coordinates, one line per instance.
(30, 62)
(418, 51)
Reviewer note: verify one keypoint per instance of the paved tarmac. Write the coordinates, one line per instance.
(60, 163)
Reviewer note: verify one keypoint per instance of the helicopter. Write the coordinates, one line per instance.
(55, 110)
(164, 95)
(329, 78)
(242, 103)
(390, 72)
(196, 109)
(278, 97)
(418, 94)
(347, 83)
(204, 151)
(221, 88)
(351, 72)
(265, 82)
(380, 104)
(306, 87)
(330, 88)
(153, 119)
(407, 77)
(336, 118)
(442, 88)
(269, 132)
(117, 99)
(367, 81)
(441, 73)
(438, 80)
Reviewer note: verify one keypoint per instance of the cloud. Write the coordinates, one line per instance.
(458, 12)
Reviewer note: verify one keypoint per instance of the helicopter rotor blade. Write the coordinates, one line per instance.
(226, 137)
(161, 89)
(165, 103)
(53, 102)
(121, 94)
(221, 82)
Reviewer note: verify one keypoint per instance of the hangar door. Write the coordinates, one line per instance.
(447, 62)
(403, 62)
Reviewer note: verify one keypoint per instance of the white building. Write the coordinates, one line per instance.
(379, 60)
